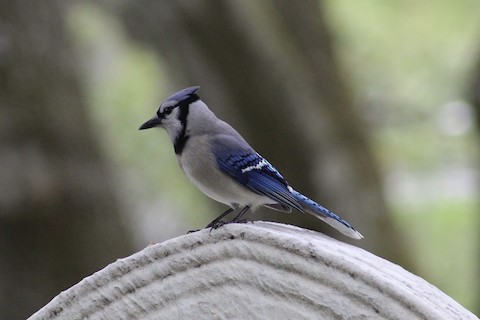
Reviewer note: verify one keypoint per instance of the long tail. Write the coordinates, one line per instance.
(326, 215)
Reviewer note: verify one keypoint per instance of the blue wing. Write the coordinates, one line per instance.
(253, 171)
(238, 160)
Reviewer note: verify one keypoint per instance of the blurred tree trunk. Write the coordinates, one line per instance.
(271, 67)
(474, 94)
(474, 99)
(58, 216)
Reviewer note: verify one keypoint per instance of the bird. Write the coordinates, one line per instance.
(219, 162)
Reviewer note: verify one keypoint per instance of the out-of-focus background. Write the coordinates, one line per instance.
(370, 107)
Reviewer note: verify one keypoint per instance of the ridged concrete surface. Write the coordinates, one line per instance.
(253, 271)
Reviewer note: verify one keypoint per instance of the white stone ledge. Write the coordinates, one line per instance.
(253, 271)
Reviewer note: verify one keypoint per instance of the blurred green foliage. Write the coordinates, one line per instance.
(125, 84)
(444, 241)
(406, 61)
(408, 64)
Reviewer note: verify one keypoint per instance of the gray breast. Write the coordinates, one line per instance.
(200, 166)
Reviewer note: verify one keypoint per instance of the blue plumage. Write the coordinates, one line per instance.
(225, 167)
(183, 94)
(256, 173)
(318, 209)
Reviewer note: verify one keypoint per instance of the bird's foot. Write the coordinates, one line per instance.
(242, 221)
(217, 224)
(220, 223)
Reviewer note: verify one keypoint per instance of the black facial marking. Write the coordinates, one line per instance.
(182, 138)
(165, 111)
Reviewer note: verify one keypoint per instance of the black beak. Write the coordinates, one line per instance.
(155, 121)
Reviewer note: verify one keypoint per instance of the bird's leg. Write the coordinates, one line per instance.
(240, 215)
(217, 222)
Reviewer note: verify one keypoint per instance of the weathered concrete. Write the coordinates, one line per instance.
(253, 271)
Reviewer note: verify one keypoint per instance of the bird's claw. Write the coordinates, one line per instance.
(217, 224)
(220, 223)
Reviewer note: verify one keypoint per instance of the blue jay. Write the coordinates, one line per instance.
(217, 160)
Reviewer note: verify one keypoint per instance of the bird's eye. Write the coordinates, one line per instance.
(168, 110)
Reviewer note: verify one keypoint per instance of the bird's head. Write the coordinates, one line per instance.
(172, 114)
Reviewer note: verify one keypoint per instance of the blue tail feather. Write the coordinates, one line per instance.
(326, 215)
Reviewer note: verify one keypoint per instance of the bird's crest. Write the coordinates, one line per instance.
(183, 94)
